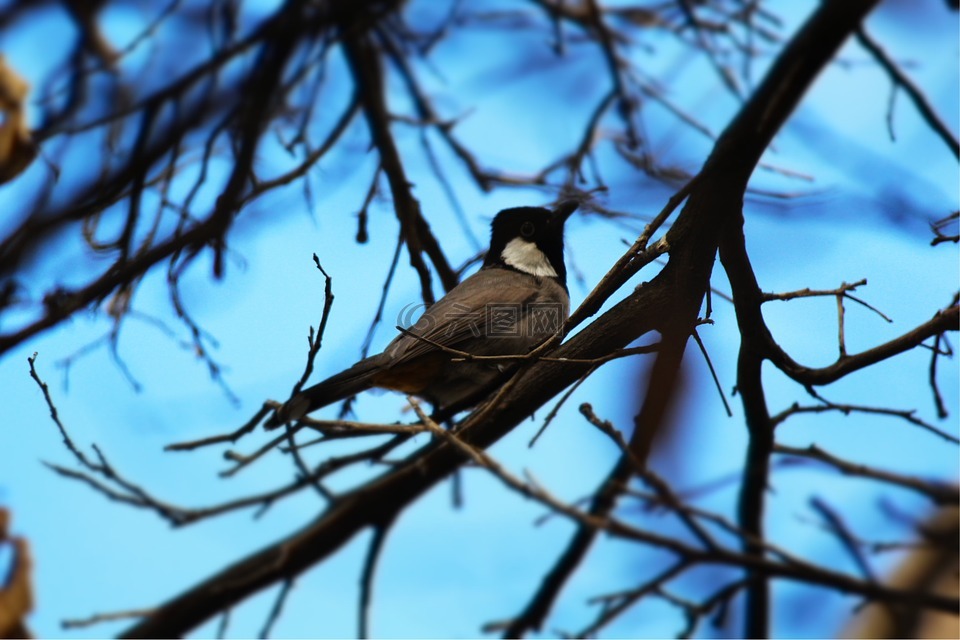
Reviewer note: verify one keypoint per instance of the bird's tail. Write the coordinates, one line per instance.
(338, 387)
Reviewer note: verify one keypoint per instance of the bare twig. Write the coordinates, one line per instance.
(99, 618)
(366, 578)
(939, 225)
(231, 437)
(919, 100)
(939, 493)
(617, 603)
(937, 396)
(836, 524)
(665, 495)
(846, 409)
(277, 609)
(556, 406)
(796, 569)
(713, 374)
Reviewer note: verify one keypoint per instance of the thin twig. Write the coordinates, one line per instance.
(277, 609)
(99, 618)
(366, 577)
(836, 524)
(919, 100)
(713, 374)
(556, 407)
(939, 493)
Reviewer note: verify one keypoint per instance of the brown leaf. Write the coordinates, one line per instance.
(17, 149)
(16, 592)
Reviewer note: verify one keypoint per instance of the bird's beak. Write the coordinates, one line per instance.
(562, 211)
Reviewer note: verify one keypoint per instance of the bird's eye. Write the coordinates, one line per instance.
(527, 229)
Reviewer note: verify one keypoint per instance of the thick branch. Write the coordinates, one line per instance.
(946, 320)
(813, 46)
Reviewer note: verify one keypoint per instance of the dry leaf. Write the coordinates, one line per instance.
(17, 149)
(16, 592)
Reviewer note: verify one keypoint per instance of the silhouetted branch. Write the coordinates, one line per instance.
(184, 158)
(939, 493)
(366, 578)
(368, 74)
(940, 225)
(100, 618)
(277, 609)
(901, 80)
(834, 522)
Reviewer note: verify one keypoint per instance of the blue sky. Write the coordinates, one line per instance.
(446, 572)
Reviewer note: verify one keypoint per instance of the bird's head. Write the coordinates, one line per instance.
(530, 240)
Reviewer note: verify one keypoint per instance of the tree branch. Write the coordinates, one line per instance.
(676, 293)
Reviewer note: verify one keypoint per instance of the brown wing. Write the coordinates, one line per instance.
(472, 309)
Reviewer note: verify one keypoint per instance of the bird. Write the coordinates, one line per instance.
(516, 300)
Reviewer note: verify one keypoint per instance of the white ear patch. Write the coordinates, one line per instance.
(527, 257)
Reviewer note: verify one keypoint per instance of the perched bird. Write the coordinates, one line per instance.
(514, 302)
